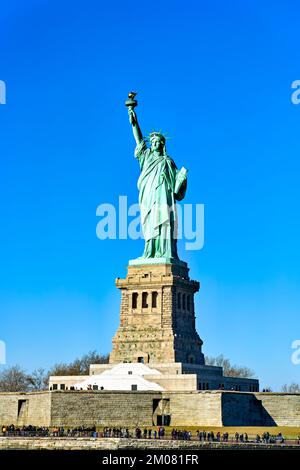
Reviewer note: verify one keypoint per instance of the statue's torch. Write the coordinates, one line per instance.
(131, 102)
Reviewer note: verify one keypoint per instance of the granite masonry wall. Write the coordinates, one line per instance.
(25, 408)
(196, 408)
(104, 408)
(281, 409)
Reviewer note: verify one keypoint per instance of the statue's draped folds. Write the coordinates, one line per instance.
(159, 187)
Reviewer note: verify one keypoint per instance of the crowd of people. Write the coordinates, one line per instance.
(267, 438)
(145, 433)
(138, 433)
(181, 435)
(210, 436)
(34, 431)
(116, 432)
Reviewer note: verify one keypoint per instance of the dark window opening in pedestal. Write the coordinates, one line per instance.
(154, 299)
(134, 388)
(134, 299)
(145, 300)
(188, 303)
(54, 386)
(95, 387)
(183, 301)
(179, 300)
(62, 386)
(141, 359)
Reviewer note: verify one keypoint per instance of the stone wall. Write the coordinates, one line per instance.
(258, 409)
(25, 408)
(281, 409)
(196, 409)
(243, 409)
(114, 444)
(130, 409)
(135, 408)
(17, 443)
(102, 408)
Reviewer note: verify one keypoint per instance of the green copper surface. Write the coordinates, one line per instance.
(160, 185)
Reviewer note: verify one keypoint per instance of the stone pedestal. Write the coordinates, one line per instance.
(157, 318)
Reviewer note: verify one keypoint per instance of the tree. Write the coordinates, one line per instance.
(14, 379)
(79, 366)
(38, 380)
(229, 369)
(292, 388)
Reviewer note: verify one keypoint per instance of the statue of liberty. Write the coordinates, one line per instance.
(160, 185)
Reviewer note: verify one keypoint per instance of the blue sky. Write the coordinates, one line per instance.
(216, 76)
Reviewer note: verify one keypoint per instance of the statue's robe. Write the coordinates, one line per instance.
(159, 188)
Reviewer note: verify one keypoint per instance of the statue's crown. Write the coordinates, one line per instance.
(159, 134)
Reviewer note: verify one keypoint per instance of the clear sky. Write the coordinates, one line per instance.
(216, 76)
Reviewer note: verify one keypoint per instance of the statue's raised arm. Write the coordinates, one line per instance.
(131, 103)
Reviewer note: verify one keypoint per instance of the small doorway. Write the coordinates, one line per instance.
(163, 420)
(22, 412)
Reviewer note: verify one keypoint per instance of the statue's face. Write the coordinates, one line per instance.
(157, 144)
